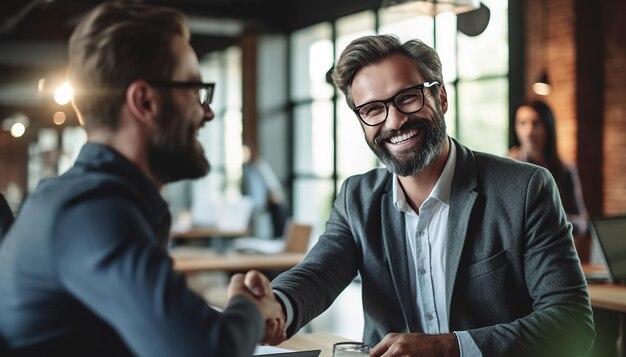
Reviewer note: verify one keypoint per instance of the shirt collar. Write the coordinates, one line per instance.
(442, 188)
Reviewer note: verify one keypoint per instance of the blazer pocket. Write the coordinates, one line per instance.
(486, 266)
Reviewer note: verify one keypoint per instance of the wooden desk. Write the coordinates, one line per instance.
(608, 296)
(188, 260)
(313, 341)
(611, 297)
(209, 232)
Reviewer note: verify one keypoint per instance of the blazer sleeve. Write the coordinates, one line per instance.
(561, 322)
(327, 269)
(108, 259)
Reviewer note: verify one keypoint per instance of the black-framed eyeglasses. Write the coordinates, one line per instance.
(407, 101)
(205, 90)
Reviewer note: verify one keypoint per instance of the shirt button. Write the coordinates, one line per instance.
(422, 271)
(429, 317)
(421, 233)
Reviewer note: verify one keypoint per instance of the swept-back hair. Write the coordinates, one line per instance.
(115, 44)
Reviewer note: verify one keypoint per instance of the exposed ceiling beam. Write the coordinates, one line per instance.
(13, 12)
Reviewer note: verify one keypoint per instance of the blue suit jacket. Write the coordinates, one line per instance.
(83, 273)
(513, 278)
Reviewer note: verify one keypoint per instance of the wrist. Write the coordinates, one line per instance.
(450, 345)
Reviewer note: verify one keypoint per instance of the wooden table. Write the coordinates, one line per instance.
(313, 341)
(612, 297)
(605, 295)
(208, 232)
(219, 238)
(189, 260)
(609, 297)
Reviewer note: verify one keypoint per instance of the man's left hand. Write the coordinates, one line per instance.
(417, 344)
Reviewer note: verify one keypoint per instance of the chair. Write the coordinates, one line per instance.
(296, 240)
(297, 237)
(6, 216)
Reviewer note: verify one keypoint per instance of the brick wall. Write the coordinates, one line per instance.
(615, 107)
(550, 46)
(560, 46)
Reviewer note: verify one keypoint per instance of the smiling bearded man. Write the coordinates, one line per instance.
(459, 253)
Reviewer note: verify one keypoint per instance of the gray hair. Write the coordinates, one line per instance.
(369, 49)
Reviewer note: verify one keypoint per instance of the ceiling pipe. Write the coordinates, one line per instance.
(8, 25)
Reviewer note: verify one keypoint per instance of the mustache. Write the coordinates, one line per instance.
(409, 125)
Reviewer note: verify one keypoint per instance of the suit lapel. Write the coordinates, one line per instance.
(394, 240)
(462, 199)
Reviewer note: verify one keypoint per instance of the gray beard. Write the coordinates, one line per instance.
(417, 159)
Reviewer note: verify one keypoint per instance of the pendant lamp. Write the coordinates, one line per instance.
(542, 85)
(432, 7)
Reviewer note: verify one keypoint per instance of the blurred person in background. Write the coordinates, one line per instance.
(535, 142)
(261, 184)
(84, 270)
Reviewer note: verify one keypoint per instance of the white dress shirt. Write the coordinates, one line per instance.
(426, 236)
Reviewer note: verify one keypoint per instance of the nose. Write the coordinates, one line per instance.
(208, 112)
(395, 118)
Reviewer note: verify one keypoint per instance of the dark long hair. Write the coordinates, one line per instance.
(553, 161)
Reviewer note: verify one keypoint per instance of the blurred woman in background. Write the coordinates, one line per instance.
(535, 142)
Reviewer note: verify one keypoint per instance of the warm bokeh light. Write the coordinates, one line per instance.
(17, 130)
(41, 84)
(58, 118)
(541, 88)
(63, 94)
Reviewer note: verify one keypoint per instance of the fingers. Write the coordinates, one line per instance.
(256, 287)
(274, 331)
(257, 283)
(236, 286)
(383, 345)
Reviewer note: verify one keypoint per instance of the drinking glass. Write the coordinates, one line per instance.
(350, 349)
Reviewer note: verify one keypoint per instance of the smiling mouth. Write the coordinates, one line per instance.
(403, 137)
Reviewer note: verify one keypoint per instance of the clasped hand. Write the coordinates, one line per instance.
(416, 344)
(256, 287)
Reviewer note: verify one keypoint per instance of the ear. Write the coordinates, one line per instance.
(142, 101)
(443, 99)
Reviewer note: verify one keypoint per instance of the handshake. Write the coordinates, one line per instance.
(256, 287)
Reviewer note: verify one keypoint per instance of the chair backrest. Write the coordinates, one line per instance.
(297, 237)
(6, 216)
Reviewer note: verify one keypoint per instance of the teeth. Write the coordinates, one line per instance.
(403, 137)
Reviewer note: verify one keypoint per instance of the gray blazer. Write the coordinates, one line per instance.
(513, 278)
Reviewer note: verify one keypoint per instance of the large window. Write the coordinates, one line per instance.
(221, 138)
(313, 122)
(353, 154)
(328, 141)
(483, 85)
